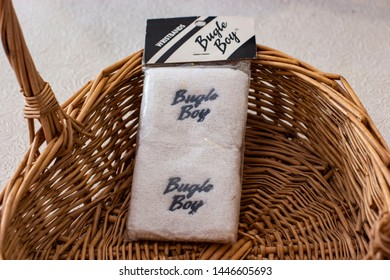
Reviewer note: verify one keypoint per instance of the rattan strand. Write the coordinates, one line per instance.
(42, 104)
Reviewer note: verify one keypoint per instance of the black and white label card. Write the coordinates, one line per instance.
(199, 39)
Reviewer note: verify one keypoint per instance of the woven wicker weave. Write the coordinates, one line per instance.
(316, 170)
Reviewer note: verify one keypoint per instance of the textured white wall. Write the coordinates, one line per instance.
(71, 41)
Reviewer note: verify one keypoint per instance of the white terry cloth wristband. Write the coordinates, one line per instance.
(194, 105)
(186, 194)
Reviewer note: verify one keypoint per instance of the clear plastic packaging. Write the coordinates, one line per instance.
(188, 170)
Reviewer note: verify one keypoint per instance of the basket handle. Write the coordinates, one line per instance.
(40, 101)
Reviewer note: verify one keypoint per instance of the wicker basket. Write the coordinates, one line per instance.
(316, 171)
